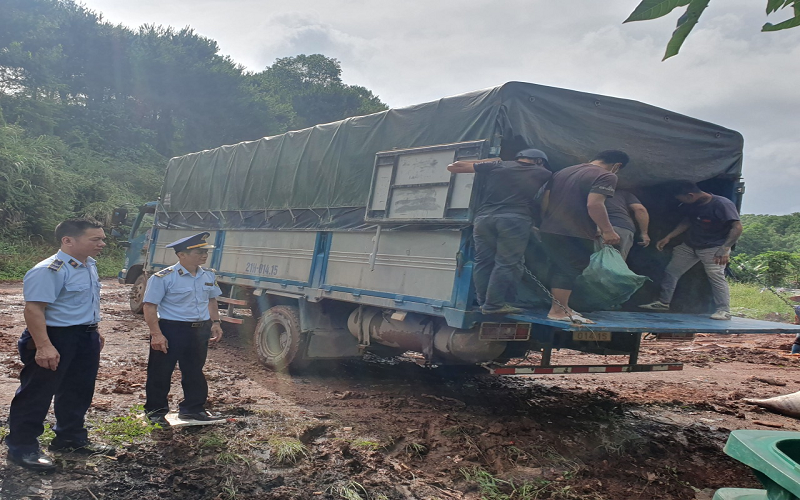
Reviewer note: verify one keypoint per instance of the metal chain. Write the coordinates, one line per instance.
(546, 290)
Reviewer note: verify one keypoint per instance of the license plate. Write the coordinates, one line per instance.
(591, 336)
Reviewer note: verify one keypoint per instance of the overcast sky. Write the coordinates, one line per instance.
(409, 52)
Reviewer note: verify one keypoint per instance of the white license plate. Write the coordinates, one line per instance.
(592, 336)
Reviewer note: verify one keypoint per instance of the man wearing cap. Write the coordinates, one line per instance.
(60, 348)
(180, 308)
(503, 219)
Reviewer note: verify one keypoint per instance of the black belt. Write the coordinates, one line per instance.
(87, 328)
(186, 324)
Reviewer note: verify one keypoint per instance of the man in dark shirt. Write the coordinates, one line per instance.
(502, 225)
(619, 208)
(714, 227)
(574, 211)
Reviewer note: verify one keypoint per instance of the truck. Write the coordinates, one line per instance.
(351, 237)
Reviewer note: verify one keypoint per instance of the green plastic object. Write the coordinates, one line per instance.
(774, 457)
(606, 283)
(740, 494)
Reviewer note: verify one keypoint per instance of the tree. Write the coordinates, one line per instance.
(652, 9)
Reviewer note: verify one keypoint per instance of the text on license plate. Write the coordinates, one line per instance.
(592, 336)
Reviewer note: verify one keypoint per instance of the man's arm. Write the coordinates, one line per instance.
(642, 218)
(679, 229)
(47, 356)
(723, 255)
(216, 328)
(468, 166)
(596, 205)
(158, 342)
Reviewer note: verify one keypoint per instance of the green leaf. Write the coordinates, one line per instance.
(652, 9)
(685, 25)
(774, 5)
(789, 23)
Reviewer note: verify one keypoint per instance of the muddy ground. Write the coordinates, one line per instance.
(389, 429)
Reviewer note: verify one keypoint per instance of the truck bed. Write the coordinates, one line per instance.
(633, 322)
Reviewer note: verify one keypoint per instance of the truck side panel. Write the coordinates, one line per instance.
(284, 255)
(408, 263)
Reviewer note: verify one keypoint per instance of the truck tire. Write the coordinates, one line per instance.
(137, 294)
(279, 340)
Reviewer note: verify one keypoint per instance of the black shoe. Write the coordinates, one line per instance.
(202, 416)
(87, 448)
(159, 419)
(35, 460)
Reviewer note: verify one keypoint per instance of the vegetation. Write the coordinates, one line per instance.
(90, 112)
(653, 9)
(768, 253)
(130, 428)
(753, 301)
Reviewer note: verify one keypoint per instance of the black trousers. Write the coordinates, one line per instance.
(569, 256)
(72, 385)
(188, 347)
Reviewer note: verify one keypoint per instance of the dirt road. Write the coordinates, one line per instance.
(389, 429)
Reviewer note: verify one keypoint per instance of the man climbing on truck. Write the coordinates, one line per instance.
(503, 218)
(713, 228)
(574, 211)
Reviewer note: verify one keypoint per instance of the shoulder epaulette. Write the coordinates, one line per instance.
(209, 269)
(55, 265)
(164, 272)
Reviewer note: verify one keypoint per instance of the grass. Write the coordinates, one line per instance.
(3, 432)
(287, 450)
(370, 445)
(751, 301)
(17, 257)
(493, 488)
(130, 428)
(349, 491)
(47, 436)
(212, 440)
(416, 449)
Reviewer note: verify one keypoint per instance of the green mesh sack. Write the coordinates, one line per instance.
(606, 283)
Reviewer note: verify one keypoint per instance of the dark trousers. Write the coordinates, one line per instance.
(569, 256)
(72, 385)
(500, 242)
(188, 347)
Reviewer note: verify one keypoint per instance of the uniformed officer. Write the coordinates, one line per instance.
(180, 308)
(60, 348)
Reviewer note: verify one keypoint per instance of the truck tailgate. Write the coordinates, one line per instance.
(619, 321)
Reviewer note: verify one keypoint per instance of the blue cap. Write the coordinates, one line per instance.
(195, 241)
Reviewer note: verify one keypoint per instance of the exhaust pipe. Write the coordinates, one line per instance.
(420, 333)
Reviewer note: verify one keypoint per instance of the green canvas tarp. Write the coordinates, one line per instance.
(320, 176)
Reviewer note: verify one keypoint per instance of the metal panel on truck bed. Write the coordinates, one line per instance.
(641, 322)
(286, 255)
(408, 263)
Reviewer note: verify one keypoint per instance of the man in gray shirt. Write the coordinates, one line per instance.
(619, 208)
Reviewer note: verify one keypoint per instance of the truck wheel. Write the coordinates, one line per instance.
(137, 294)
(279, 340)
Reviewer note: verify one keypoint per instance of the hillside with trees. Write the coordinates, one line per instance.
(90, 112)
(769, 250)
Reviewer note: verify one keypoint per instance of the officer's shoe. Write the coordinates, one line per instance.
(201, 416)
(35, 460)
(157, 418)
(87, 448)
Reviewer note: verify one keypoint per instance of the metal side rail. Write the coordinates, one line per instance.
(576, 369)
(650, 322)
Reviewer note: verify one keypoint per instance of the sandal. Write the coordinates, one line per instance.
(575, 318)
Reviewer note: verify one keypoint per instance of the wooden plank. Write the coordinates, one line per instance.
(228, 319)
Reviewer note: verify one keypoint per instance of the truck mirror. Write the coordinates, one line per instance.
(119, 217)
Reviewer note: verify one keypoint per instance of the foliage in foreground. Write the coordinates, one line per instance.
(653, 9)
